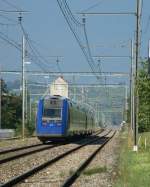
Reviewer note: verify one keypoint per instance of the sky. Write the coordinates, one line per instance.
(50, 34)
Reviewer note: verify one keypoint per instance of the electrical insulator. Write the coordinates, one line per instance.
(19, 18)
(83, 20)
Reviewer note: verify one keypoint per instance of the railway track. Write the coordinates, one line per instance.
(10, 158)
(42, 148)
(25, 147)
(19, 148)
(38, 168)
(70, 180)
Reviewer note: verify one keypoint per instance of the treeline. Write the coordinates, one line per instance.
(144, 98)
(10, 108)
(11, 111)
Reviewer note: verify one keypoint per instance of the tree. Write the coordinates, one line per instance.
(144, 98)
(12, 111)
(11, 108)
(4, 89)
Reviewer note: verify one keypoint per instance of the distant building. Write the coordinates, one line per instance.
(59, 87)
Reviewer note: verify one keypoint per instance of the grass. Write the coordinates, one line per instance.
(71, 171)
(95, 170)
(62, 174)
(90, 171)
(134, 168)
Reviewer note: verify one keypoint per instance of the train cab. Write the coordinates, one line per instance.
(51, 118)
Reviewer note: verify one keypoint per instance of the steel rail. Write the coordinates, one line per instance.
(24, 147)
(38, 168)
(19, 148)
(70, 180)
(27, 153)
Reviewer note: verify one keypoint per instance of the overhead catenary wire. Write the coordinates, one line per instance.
(86, 50)
(89, 51)
(59, 68)
(7, 24)
(76, 36)
(12, 5)
(71, 15)
(10, 41)
(120, 44)
(8, 19)
(37, 54)
(88, 55)
(57, 57)
(93, 6)
(44, 60)
(13, 43)
(38, 59)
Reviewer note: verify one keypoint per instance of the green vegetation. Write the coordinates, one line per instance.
(144, 141)
(62, 174)
(11, 108)
(134, 168)
(71, 171)
(144, 98)
(91, 171)
(12, 112)
(95, 170)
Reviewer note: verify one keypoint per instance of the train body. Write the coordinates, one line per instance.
(59, 118)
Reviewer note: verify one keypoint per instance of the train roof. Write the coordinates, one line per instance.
(83, 106)
(55, 97)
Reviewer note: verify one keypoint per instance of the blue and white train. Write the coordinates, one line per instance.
(60, 118)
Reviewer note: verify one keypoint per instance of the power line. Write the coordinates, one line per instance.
(18, 46)
(52, 73)
(93, 6)
(58, 65)
(87, 53)
(35, 50)
(84, 85)
(121, 44)
(12, 5)
(57, 57)
(71, 15)
(88, 47)
(107, 13)
(111, 56)
(43, 58)
(7, 18)
(10, 41)
(13, 11)
(7, 24)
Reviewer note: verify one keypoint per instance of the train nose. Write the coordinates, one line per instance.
(51, 128)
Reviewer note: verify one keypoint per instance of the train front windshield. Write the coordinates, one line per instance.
(52, 109)
(52, 113)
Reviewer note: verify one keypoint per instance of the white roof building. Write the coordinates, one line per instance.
(59, 87)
